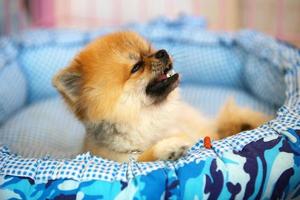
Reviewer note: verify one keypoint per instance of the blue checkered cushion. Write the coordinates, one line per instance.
(43, 54)
(266, 86)
(44, 128)
(206, 64)
(12, 81)
(209, 99)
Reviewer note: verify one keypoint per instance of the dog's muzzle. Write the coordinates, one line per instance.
(165, 79)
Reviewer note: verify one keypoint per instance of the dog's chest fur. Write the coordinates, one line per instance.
(150, 126)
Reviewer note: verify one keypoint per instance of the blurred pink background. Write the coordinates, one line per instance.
(280, 18)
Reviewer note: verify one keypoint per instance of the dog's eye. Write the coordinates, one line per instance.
(137, 66)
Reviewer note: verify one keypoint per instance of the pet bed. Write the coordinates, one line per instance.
(40, 138)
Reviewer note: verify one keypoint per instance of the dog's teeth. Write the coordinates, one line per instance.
(170, 73)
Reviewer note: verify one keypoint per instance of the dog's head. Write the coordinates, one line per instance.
(115, 77)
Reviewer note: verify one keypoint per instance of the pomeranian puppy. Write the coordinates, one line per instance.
(125, 93)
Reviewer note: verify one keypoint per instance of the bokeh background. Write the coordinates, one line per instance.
(280, 18)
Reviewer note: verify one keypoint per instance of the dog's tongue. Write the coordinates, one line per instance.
(162, 77)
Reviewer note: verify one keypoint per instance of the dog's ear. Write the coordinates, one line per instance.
(68, 82)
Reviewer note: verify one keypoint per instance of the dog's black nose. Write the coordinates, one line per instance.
(162, 55)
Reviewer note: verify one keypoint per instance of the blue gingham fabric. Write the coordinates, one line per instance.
(261, 163)
(88, 167)
(201, 98)
(13, 89)
(275, 80)
(44, 128)
(35, 62)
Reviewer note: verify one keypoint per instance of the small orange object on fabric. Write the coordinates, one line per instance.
(207, 142)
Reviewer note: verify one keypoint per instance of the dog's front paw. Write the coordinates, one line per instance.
(170, 149)
(173, 154)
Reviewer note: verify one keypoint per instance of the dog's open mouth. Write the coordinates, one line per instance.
(163, 84)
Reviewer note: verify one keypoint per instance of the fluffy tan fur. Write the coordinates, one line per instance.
(233, 119)
(103, 93)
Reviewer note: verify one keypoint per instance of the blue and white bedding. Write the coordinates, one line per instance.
(41, 139)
